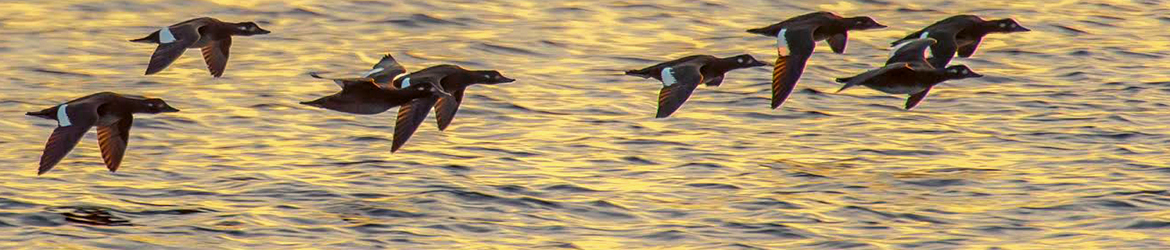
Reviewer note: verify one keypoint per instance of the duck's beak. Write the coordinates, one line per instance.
(757, 63)
(261, 31)
(168, 109)
(1020, 29)
(503, 80)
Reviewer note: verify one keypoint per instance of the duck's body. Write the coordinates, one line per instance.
(908, 72)
(212, 36)
(796, 38)
(373, 93)
(960, 34)
(366, 97)
(113, 115)
(680, 77)
(454, 80)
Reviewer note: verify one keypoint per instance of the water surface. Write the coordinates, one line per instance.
(1062, 145)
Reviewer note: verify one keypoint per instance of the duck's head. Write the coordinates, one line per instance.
(960, 72)
(1008, 25)
(747, 61)
(155, 106)
(249, 28)
(491, 77)
(862, 23)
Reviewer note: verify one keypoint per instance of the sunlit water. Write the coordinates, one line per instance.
(1063, 144)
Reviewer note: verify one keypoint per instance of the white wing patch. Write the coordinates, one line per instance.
(165, 36)
(405, 82)
(668, 77)
(373, 71)
(894, 51)
(782, 42)
(62, 117)
(927, 52)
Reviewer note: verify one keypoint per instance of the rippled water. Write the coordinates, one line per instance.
(1063, 144)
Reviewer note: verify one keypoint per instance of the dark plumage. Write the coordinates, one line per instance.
(454, 80)
(960, 34)
(908, 72)
(382, 73)
(796, 38)
(373, 93)
(681, 76)
(212, 36)
(365, 97)
(113, 115)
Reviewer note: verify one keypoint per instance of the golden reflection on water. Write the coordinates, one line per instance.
(1044, 152)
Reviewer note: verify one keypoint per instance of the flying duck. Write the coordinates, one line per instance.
(681, 76)
(112, 114)
(908, 72)
(372, 93)
(211, 35)
(454, 80)
(796, 38)
(961, 34)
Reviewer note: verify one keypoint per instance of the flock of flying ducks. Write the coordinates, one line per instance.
(388, 85)
(908, 71)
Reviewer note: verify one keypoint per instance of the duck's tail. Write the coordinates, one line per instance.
(47, 113)
(152, 38)
(761, 31)
(320, 102)
(846, 81)
(639, 73)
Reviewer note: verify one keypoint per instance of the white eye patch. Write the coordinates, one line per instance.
(165, 36)
(741, 60)
(405, 82)
(668, 77)
(62, 117)
(1003, 25)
